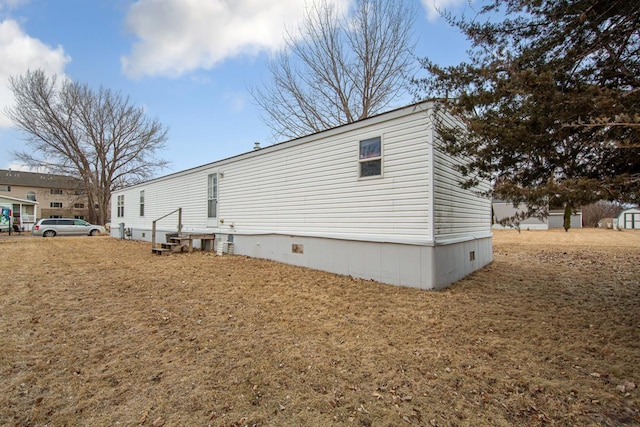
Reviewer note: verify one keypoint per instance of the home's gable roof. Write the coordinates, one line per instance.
(34, 179)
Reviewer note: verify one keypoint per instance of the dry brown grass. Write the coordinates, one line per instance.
(98, 331)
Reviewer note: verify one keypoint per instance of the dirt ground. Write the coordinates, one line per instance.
(100, 332)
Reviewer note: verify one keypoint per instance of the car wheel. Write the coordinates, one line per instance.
(93, 232)
(49, 233)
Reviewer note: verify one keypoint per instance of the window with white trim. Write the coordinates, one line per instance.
(120, 206)
(141, 202)
(370, 158)
(212, 196)
(55, 204)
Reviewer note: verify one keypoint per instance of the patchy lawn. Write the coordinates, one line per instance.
(98, 331)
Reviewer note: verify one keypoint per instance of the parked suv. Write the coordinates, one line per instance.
(65, 227)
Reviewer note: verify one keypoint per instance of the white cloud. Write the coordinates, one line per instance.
(11, 4)
(19, 167)
(435, 7)
(20, 53)
(178, 36)
(236, 100)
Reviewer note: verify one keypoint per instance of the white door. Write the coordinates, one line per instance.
(632, 220)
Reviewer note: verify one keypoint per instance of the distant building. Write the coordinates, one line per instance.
(15, 212)
(58, 196)
(503, 209)
(629, 219)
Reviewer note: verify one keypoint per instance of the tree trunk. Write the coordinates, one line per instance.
(567, 217)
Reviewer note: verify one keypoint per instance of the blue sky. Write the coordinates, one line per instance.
(188, 62)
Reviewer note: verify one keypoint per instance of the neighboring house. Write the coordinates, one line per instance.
(19, 212)
(503, 209)
(629, 219)
(375, 199)
(58, 196)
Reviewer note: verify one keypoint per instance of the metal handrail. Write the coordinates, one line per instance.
(153, 225)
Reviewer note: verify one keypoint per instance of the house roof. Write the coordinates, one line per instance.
(35, 179)
(16, 199)
(630, 210)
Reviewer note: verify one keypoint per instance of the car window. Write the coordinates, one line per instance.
(65, 222)
(80, 222)
(49, 222)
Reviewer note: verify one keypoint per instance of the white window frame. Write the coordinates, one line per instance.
(142, 203)
(55, 205)
(120, 206)
(364, 157)
(213, 190)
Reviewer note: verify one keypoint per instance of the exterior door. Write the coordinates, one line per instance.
(631, 220)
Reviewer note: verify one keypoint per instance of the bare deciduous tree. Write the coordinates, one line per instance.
(97, 136)
(593, 213)
(337, 69)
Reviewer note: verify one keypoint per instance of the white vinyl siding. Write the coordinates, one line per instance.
(163, 196)
(458, 213)
(314, 189)
(310, 187)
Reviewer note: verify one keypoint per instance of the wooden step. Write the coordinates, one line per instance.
(161, 251)
(184, 243)
(175, 247)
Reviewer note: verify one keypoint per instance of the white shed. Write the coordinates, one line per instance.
(375, 199)
(629, 219)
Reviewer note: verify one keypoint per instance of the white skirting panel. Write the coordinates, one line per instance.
(425, 267)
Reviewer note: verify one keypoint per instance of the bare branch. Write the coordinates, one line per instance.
(96, 135)
(338, 69)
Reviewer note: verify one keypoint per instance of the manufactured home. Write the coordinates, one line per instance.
(375, 199)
